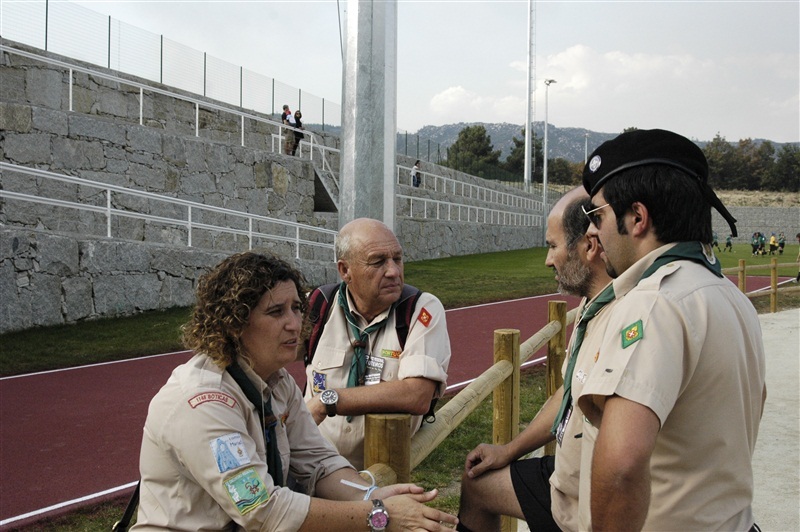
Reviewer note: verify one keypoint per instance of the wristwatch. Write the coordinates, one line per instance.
(378, 518)
(329, 398)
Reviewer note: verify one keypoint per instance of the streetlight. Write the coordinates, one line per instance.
(547, 83)
(585, 147)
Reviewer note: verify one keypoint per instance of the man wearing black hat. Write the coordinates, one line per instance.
(679, 378)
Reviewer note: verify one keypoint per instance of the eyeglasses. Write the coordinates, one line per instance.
(594, 218)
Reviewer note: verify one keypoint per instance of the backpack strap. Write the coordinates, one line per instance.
(122, 524)
(404, 310)
(318, 305)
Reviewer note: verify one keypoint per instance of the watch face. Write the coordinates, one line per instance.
(379, 520)
(329, 397)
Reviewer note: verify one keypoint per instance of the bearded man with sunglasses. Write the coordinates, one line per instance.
(674, 400)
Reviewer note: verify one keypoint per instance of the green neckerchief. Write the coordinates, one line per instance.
(692, 251)
(358, 366)
(605, 297)
(267, 418)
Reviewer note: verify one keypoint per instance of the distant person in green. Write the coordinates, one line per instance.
(715, 241)
(781, 242)
(754, 244)
(729, 244)
(762, 244)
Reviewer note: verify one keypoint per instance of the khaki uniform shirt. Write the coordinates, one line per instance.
(203, 458)
(564, 482)
(426, 354)
(687, 345)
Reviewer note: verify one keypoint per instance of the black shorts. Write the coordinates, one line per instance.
(531, 480)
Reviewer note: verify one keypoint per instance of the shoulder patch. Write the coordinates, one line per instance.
(425, 317)
(229, 452)
(246, 490)
(217, 397)
(632, 334)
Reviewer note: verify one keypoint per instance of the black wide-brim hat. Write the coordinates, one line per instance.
(642, 147)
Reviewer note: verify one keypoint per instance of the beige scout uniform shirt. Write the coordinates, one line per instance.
(564, 482)
(426, 354)
(697, 361)
(203, 457)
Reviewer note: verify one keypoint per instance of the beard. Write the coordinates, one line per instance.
(575, 277)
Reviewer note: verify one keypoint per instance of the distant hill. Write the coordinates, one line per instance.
(565, 142)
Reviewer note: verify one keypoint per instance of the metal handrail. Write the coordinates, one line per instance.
(189, 222)
(519, 219)
(517, 200)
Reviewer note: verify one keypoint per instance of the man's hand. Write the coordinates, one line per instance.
(317, 409)
(486, 457)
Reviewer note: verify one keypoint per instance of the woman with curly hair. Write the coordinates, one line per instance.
(228, 442)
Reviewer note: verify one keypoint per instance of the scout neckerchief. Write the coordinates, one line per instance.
(267, 418)
(358, 366)
(606, 296)
(692, 251)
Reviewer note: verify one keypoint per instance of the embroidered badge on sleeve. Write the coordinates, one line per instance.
(218, 397)
(425, 317)
(632, 334)
(229, 452)
(318, 382)
(246, 490)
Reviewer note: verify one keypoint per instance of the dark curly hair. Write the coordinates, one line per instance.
(225, 297)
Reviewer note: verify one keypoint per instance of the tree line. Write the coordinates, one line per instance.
(745, 165)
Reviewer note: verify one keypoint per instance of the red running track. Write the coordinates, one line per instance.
(67, 436)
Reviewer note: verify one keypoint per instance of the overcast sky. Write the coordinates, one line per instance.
(698, 68)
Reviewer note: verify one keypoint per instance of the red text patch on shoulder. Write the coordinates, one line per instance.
(424, 317)
(218, 397)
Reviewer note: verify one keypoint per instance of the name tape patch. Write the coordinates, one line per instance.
(217, 397)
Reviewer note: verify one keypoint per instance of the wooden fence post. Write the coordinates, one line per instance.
(773, 283)
(505, 400)
(556, 352)
(387, 440)
(742, 277)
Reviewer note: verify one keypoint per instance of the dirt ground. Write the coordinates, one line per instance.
(753, 198)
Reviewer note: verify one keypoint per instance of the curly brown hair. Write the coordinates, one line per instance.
(225, 297)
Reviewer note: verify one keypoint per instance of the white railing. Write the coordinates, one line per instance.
(314, 143)
(291, 232)
(448, 185)
(427, 208)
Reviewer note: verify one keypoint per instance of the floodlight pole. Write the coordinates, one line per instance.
(547, 83)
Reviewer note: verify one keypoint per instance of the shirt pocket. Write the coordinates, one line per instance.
(327, 358)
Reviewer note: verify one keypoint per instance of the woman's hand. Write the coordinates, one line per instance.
(409, 512)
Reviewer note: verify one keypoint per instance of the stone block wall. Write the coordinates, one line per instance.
(50, 279)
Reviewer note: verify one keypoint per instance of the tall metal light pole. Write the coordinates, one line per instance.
(547, 83)
(529, 96)
(585, 147)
